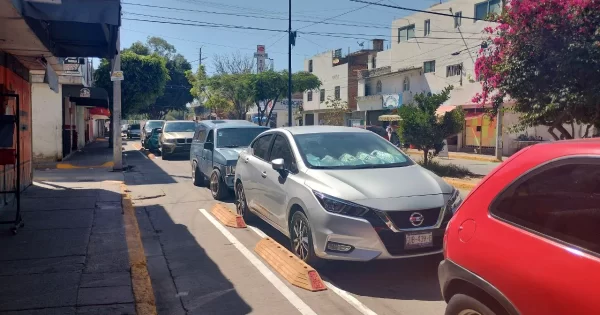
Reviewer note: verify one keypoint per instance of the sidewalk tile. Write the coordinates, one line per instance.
(115, 309)
(59, 219)
(105, 295)
(39, 290)
(106, 263)
(45, 311)
(49, 204)
(29, 244)
(44, 265)
(111, 279)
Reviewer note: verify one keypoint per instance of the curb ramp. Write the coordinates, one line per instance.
(290, 267)
(228, 218)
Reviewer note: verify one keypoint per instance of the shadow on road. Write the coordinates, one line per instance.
(402, 279)
(184, 278)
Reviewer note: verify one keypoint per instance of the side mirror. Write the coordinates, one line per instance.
(278, 164)
(209, 146)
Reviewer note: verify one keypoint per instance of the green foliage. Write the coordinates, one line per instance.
(161, 47)
(303, 81)
(336, 113)
(422, 128)
(267, 88)
(139, 48)
(236, 89)
(145, 80)
(177, 92)
(446, 170)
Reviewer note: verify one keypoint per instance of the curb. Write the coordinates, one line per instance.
(226, 217)
(138, 147)
(453, 155)
(290, 267)
(140, 279)
(460, 184)
(69, 166)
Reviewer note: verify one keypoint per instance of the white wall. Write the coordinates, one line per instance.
(46, 123)
(330, 76)
(80, 121)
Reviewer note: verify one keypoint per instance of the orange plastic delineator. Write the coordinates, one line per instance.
(228, 218)
(290, 267)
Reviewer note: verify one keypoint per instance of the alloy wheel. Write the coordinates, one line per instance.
(241, 199)
(300, 239)
(214, 184)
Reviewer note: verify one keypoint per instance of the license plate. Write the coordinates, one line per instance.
(418, 240)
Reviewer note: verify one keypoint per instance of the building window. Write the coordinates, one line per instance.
(406, 33)
(337, 92)
(457, 19)
(453, 70)
(429, 66)
(484, 9)
(367, 90)
(557, 201)
(309, 96)
(310, 66)
(378, 88)
(427, 28)
(374, 62)
(406, 84)
(322, 95)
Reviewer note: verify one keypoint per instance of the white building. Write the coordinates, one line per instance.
(428, 53)
(338, 73)
(279, 117)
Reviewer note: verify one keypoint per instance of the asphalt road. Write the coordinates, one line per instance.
(196, 268)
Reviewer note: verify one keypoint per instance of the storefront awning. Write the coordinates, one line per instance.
(86, 96)
(86, 28)
(99, 113)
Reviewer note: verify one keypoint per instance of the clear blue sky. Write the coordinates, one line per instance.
(214, 41)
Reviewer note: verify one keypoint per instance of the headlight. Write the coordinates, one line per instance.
(169, 141)
(334, 205)
(454, 201)
(230, 170)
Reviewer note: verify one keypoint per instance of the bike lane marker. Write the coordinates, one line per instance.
(302, 307)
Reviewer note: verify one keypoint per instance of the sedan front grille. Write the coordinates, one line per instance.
(402, 219)
(180, 140)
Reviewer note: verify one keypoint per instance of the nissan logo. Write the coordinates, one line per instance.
(416, 219)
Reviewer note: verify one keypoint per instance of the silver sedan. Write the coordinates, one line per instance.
(343, 193)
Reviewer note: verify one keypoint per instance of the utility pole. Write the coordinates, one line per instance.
(116, 114)
(290, 63)
(200, 55)
(499, 134)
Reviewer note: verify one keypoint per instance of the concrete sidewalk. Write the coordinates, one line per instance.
(96, 154)
(71, 257)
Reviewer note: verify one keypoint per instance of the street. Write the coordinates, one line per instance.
(198, 266)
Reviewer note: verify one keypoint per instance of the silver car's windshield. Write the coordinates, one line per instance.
(345, 150)
(182, 126)
(153, 124)
(237, 137)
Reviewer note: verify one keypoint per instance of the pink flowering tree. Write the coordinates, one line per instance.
(544, 55)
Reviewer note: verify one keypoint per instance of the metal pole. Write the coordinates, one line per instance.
(116, 130)
(499, 135)
(290, 63)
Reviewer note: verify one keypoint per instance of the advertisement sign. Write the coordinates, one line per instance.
(261, 56)
(392, 101)
(117, 76)
(85, 92)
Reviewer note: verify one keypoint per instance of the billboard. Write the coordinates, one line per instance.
(261, 56)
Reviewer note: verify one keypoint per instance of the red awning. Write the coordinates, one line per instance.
(99, 113)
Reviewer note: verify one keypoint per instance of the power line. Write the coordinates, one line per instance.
(333, 17)
(204, 24)
(414, 10)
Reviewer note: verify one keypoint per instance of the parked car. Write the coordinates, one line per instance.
(133, 131)
(148, 127)
(151, 141)
(343, 193)
(176, 138)
(526, 240)
(215, 150)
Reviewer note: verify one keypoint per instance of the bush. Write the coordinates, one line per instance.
(447, 170)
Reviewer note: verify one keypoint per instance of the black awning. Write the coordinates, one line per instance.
(86, 96)
(84, 28)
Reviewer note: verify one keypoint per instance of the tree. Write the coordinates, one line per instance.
(269, 87)
(139, 48)
(161, 47)
(177, 92)
(422, 127)
(544, 56)
(145, 80)
(336, 113)
(235, 89)
(235, 63)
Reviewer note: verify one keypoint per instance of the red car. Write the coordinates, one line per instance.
(527, 239)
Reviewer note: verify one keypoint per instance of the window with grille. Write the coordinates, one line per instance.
(309, 96)
(322, 95)
(337, 93)
(453, 70)
(406, 84)
(406, 33)
(427, 28)
(378, 87)
(457, 19)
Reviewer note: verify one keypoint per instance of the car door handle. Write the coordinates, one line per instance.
(264, 174)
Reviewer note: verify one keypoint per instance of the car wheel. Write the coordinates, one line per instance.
(301, 240)
(197, 176)
(240, 203)
(218, 188)
(165, 156)
(462, 304)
